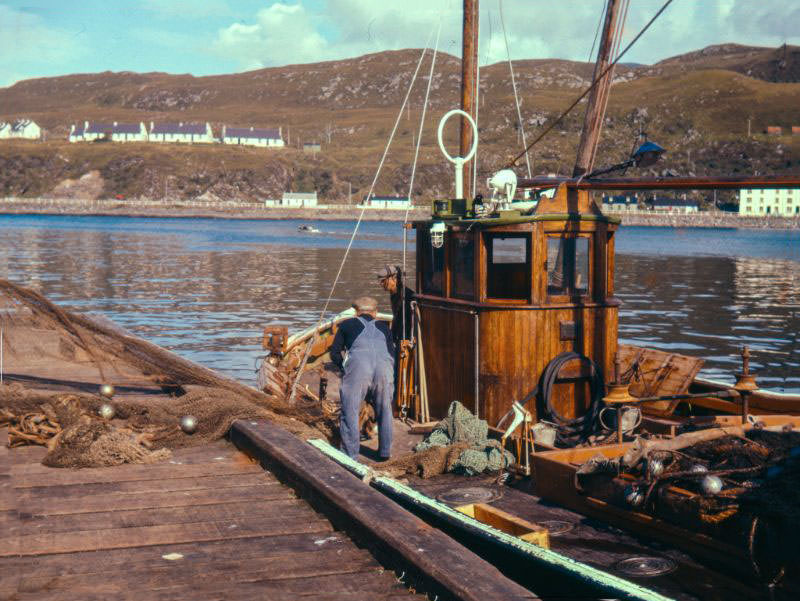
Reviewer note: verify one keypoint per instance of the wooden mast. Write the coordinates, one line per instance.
(469, 75)
(598, 97)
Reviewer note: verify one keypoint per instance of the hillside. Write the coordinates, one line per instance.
(696, 105)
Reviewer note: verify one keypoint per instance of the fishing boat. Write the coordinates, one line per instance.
(516, 317)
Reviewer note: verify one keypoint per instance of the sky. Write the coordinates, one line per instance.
(40, 38)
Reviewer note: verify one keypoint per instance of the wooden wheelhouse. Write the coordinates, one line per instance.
(500, 297)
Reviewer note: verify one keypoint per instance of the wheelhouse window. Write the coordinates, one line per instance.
(433, 265)
(462, 251)
(567, 266)
(508, 272)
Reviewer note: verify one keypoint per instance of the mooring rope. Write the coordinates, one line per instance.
(514, 87)
(313, 338)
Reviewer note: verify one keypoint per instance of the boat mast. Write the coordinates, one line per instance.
(469, 76)
(598, 97)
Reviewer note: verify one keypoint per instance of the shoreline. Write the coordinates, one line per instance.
(239, 210)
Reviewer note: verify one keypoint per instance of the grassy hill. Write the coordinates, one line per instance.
(696, 105)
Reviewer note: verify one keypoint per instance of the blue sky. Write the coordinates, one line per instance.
(56, 37)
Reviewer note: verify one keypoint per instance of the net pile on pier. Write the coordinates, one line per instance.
(458, 444)
(142, 430)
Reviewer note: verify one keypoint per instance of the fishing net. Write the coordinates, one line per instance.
(458, 444)
(144, 428)
(743, 488)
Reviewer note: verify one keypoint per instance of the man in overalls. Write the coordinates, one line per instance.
(369, 367)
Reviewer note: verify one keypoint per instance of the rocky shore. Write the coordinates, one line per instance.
(245, 210)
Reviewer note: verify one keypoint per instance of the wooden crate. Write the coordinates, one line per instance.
(555, 480)
(508, 523)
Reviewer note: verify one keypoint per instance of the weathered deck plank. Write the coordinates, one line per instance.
(208, 524)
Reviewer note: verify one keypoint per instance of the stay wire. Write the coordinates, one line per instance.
(514, 87)
(550, 127)
(414, 171)
(616, 42)
(313, 338)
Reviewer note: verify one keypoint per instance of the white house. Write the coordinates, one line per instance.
(21, 128)
(673, 205)
(252, 136)
(783, 201)
(299, 199)
(387, 202)
(621, 203)
(116, 132)
(187, 133)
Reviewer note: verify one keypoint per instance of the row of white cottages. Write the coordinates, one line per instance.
(24, 129)
(186, 133)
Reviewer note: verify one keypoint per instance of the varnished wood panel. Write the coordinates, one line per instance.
(449, 344)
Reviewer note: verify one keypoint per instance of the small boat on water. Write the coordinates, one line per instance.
(309, 229)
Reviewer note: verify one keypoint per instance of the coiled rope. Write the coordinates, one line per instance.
(569, 432)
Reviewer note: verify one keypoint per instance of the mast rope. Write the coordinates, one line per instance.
(476, 98)
(514, 87)
(314, 337)
(597, 80)
(414, 171)
(616, 41)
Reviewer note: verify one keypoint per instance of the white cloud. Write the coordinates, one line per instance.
(28, 46)
(282, 34)
(291, 33)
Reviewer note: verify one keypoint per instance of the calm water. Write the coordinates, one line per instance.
(205, 287)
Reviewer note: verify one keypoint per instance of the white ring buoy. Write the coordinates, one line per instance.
(472, 150)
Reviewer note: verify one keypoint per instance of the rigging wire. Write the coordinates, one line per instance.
(616, 42)
(514, 86)
(597, 80)
(414, 170)
(475, 99)
(313, 338)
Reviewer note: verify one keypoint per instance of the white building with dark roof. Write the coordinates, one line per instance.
(673, 205)
(23, 129)
(181, 133)
(253, 136)
(116, 132)
(294, 200)
(394, 201)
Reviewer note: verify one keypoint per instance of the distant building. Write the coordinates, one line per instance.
(115, 132)
(394, 201)
(757, 202)
(621, 203)
(294, 200)
(673, 205)
(252, 136)
(312, 147)
(774, 130)
(186, 133)
(24, 129)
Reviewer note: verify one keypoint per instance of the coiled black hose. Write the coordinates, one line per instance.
(569, 432)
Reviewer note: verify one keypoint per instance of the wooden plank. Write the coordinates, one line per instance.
(91, 504)
(78, 491)
(285, 508)
(367, 584)
(26, 478)
(405, 538)
(112, 560)
(179, 573)
(118, 538)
